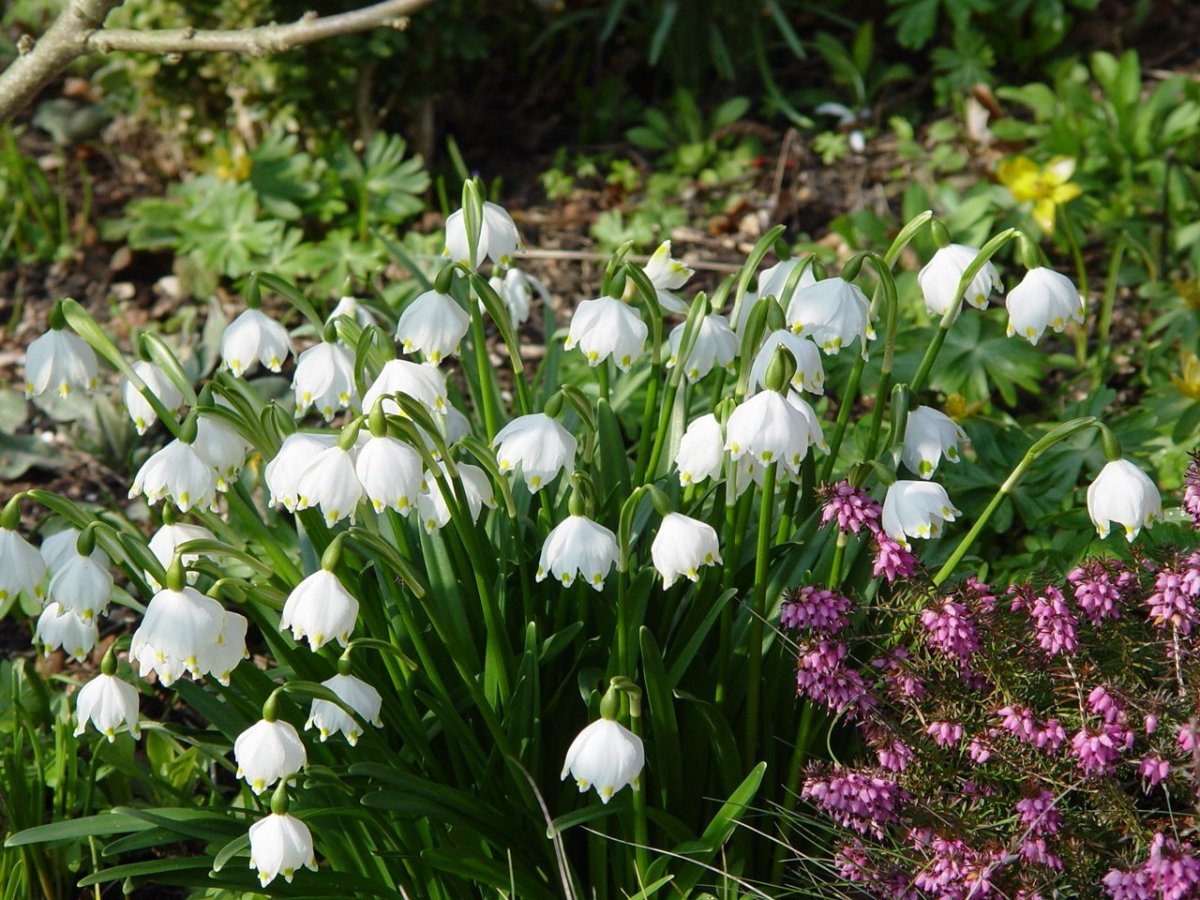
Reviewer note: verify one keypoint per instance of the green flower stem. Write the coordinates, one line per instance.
(910, 230)
(891, 311)
(623, 663)
(602, 380)
(1061, 433)
(491, 418)
(758, 613)
(789, 502)
(985, 254)
(843, 418)
(499, 313)
(1068, 230)
(839, 553)
(791, 788)
(241, 506)
(641, 828)
(1104, 319)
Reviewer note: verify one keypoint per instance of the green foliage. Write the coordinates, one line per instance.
(40, 225)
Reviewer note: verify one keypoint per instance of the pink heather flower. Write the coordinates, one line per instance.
(864, 803)
(822, 676)
(852, 507)
(1054, 624)
(1018, 721)
(901, 681)
(1100, 586)
(816, 609)
(892, 560)
(1187, 738)
(1173, 868)
(1151, 723)
(980, 594)
(881, 879)
(1133, 885)
(1170, 604)
(980, 749)
(945, 734)
(956, 870)
(1050, 736)
(1154, 771)
(1039, 814)
(1101, 703)
(1191, 490)
(950, 630)
(1097, 752)
(895, 756)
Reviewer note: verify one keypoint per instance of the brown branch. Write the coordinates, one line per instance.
(78, 31)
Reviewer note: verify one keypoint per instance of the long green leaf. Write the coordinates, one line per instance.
(88, 826)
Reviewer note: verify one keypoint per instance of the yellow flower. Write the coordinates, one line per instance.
(1188, 381)
(1047, 187)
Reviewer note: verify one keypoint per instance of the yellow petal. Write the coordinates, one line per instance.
(1043, 214)
(1059, 170)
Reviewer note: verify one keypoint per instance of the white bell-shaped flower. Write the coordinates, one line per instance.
(165, 541)
(352, 308)
(324, 378)
(605, 755)
(771, 283)
(433, 324)
(22, 567)
(515, 290)
(432, 506)
(538, 446)
(82, 586)
(60, 362)
(578, 545)
(108, 703)
(255, 337)
(928, 436)
(57, 627)
(668, 274)
(279, 845)
(425, 384)
(1044, 299)
(177, 635)
(498, 237)
(177, 472)
(833, 312)
(61, 547)
(810, 373)
(268, 751)
(320, 609)
(769, 429)
(701, 450)
(940, 277)
(160, 385)
(815, 432)
(219, 445)
(682, 546)
(916, 509)
(391, 474)
(716, 345)
(230, 648)
(283, 473)
(607, 327)
(330, 482)
(1124, 494)
(329, 718)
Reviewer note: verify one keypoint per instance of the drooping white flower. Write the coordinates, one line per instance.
(324, 378)
(810, 373)
(320, 609)
(160, 385)
(62, 546)
(668, 274)
(433, 324)
(230, 648)
(833, 312)
(607, 327)
(578, 545)
(928, 436)
(1044, 299)
(330, 482)
(771, 283)
(940, 277)
(453, 427)
(255, 337)
(815, 432)
(268, 751)
(538, 446)
(1124, 494)
(432, 506)
(391, 474)
(57, 627)
(353, 308)
(177, 472)
(82, 586)
(769, 429)
(108, 703)
(515, 289)
(329, 718)
(221, 447)
(22, 567)
(605, 755)
(425, 384)
(682, 546)
(701, 450)
(177, 635)
(916, 509)
(295, 454)
(165, 541)
(59, 361)
(279, 845)
(498, 237)
(715, 345)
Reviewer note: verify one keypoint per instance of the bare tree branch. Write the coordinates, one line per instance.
(78, 31)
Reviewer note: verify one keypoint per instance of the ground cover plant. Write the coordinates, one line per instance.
(866, 567)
